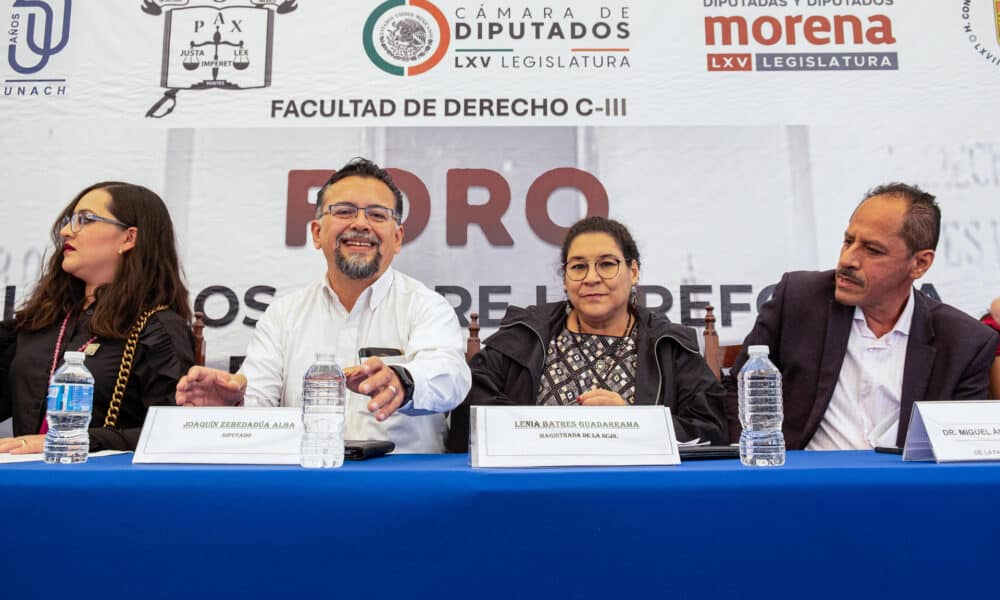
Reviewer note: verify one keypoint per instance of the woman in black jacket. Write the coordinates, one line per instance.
(112, 282)
(597, 347)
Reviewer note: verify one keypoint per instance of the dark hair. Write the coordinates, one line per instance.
(149, 274)
(361, 167)
(922, 223)
(601, 225)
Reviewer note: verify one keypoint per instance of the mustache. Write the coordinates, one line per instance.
(850, 275)
(359, 237)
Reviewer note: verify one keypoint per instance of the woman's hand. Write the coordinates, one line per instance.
(24, 444)
(598, 397)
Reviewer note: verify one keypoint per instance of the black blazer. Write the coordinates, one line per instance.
(8, 345)
(948, 354)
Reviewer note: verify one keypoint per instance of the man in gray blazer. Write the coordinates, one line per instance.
(858, 345)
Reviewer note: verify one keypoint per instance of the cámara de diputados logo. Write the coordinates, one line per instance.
(406, 37)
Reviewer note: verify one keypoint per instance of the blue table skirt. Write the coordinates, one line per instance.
(827, 524)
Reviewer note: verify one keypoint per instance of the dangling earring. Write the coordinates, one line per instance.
(634, 297)
(569, 305)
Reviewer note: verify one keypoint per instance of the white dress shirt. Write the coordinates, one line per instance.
(396, 311)
(864, 409)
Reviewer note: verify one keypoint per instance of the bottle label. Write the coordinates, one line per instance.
(70, 397)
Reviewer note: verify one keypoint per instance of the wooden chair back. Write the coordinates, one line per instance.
(712, 355)
(472, 345)
(718, 357)
(198, 333)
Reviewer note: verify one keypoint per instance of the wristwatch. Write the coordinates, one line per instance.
(406, 379)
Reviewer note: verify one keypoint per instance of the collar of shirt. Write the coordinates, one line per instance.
(373, 294)
(901, 327)
(864, 408)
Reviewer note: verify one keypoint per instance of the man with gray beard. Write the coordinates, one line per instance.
(415, 369)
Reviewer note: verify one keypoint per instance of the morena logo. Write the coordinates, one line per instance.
(406, 37)
(817, 30)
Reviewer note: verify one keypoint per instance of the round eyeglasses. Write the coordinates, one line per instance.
(345, 211)
(76, 221)
(606, 268)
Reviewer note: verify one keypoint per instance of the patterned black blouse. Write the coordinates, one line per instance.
(579, 362)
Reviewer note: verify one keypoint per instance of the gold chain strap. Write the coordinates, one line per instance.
(125, 368)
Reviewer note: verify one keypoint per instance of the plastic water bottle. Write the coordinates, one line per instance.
(323, 395)
(761, 443)
(68, 407)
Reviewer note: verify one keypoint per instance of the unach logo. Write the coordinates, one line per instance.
(37, 36)
(406, 37)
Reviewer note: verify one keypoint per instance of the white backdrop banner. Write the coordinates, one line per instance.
(733, 137)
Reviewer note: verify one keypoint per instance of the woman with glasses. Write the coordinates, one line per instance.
(597, 347)
(113, 290)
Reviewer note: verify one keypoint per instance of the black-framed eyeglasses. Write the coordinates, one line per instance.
(607, 267)
(77, 220)
(345, 211)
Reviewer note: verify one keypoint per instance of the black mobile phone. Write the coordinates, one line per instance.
(373, 351)
(364, 449)
(888, 450)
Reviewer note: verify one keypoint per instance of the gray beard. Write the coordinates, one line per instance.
(357, 267)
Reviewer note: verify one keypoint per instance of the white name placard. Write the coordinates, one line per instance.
(556, 436)
(220, 435)
(954, 431)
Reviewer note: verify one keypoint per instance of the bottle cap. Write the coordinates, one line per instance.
(752, 350)
(74, 356)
